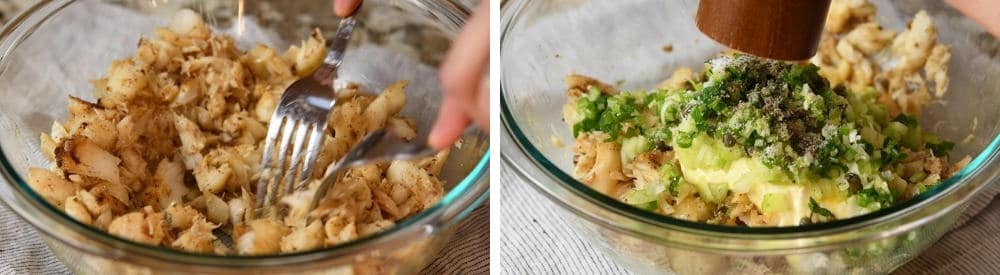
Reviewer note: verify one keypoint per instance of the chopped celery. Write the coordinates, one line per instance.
(896, 130)
(671, 174)
(633, 146)
(774, 203)
(639, 196)
(874, 199)
(871, 136)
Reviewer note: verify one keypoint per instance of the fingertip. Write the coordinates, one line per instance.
(445, 134)
(344, 8)
(449, 126)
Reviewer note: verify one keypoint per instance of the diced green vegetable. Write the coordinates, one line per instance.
(941, 149)
(914, 139)
(803, 74)
(896, 130)
(608, 114)
(784, 118)
(872, 198)
(819, 210)
(671, 174)
(906, 120)
(891, 152)
(774, 203)
(590, 107)
(639, 196)
(712, 191)
(649, 206)
(873, 137)
(633, 146)
(918, 176)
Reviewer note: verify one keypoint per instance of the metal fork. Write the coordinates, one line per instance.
(300, 120)
(379, 145)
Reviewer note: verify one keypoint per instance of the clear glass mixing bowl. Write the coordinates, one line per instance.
(543, 41)
(79, 39)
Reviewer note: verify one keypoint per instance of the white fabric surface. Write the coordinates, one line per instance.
(536, 238)
(22, 250)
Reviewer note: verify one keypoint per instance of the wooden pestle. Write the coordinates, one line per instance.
(776, 29)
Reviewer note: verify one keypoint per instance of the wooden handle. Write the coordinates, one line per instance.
(777, 29)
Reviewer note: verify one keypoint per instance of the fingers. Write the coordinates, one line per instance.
(983, 11)
(450, 123)
(468, 57)
(462, 78)
(343, 8)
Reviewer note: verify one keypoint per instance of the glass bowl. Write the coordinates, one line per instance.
(543, 41)
(53, 48)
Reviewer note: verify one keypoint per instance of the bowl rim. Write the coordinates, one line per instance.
(453, 207)
(523, 145)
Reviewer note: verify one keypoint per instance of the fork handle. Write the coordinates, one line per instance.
(328, 71)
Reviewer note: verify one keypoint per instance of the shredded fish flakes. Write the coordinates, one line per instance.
(167, 153)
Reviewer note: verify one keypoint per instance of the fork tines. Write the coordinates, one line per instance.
(279, 173)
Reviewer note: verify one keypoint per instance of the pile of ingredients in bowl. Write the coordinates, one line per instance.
(752, 142)
(170, 151)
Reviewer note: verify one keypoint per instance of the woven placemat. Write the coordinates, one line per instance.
(536, 238)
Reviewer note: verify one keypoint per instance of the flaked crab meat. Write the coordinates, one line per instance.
(75, 209)
(644, 169)
(189, 23)
(434, 164)
(144, 226)
(134, 169)
(404, 128)
(169, 151)
(308, 56)
(423, 187)
(197, 238)
(180, 217)
(216, 210)
(304, 238)
(936, 68)
(739, 210)
(262, 236)
(166, 186)
(53, 187)
(912, 46)
(265, 63)
(908, 69)
(374, 227)
(598, 163)
(843, 14)
(385, 105)
(126, 80)
(192, 140)
(78, 155)
(339, 229)
(869, 38)
(679, 79)
(297, 205)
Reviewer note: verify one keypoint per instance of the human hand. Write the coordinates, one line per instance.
(983, 11)
(464, 77)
